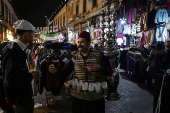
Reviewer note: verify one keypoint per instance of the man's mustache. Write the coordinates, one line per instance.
(80, 47)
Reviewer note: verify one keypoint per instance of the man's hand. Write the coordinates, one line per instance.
(52, 68)
(93, 66)
(36, 74)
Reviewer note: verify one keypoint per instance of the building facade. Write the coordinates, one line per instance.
(80, 15)
(7, 19)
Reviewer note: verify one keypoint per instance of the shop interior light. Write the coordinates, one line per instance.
(123, 21)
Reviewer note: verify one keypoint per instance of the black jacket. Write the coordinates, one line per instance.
(16, 76)
(145, 55)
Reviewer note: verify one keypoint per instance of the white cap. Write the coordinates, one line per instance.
(25, 25)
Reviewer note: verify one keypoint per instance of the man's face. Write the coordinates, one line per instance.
(30, 36)
(168, 44)
(83, 45)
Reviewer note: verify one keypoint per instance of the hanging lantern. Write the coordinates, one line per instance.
(90, 1)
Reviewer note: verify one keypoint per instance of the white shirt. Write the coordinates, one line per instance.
(133, 29)
(119, 41)
(127, 29)
(164, 34)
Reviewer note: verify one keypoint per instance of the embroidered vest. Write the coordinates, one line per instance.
(93, 58)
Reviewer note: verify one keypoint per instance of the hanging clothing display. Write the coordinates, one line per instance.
(133, 29)
(151, 17)
(130, 16)
(138, 42)
(143, 21)
(132, 41)
(158, 2)
(151, 35)
(139, 13)
(161, 34)
(143, 38)
(124, 40)
(168, 24)
(134, 15)
(119, 27)
(161, 16)
(127, 29)
(119, 40)
(138, 28)
(127, 41)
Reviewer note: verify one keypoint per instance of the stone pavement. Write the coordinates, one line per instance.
(134, 99)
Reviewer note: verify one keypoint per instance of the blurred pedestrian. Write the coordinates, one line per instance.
(156, 63)
(144, 62)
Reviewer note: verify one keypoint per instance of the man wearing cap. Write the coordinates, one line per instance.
(96, 64)
(17, 78)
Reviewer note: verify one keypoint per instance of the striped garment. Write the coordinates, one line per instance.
(93, 58)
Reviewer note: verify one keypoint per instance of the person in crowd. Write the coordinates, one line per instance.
(156, 63)
(30, 55)
(100, 66)
(167, 55)
(144, 63)
(17, 77)
(65, 42)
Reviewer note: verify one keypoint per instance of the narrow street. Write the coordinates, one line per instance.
(134, 99)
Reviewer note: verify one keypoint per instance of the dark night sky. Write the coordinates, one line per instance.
(35, 10)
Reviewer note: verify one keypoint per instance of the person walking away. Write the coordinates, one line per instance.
(167, 55)
(156, 63)
(144, 63)
(17, 78)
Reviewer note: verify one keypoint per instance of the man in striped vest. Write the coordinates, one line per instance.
(97, 65)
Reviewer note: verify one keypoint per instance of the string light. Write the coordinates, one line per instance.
(123, 21)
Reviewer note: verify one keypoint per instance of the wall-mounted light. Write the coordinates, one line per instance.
(102, 1)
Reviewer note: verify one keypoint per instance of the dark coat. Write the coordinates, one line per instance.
(156, 61)
(144, 57)
(16, 76)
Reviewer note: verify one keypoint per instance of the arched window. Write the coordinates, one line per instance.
(84, 6)
(94, 3)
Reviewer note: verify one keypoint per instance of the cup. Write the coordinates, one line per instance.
(104, 85)
(98, 87)
(85, 87)
(91, 87)
(74, 84)
(79, 86)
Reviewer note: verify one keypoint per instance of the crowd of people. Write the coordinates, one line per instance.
(16, 79)
(154, 61)
(16, 86)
